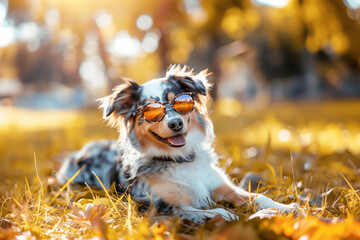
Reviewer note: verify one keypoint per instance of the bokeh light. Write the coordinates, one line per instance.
(150, 42)
(52, 17)
(28, 31)
(125, 45)
(354, 4)
(103, 18)
(284, 135)
(144, 22)
(3, 10)
(7, 34)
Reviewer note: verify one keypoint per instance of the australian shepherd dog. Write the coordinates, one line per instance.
(164, 153)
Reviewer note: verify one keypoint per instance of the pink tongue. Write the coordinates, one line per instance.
(178, 140)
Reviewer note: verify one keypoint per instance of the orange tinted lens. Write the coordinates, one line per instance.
(154, 112)
(184, 104)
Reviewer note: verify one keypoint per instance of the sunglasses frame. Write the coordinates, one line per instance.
(142, 108)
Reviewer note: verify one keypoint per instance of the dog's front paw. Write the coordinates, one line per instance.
(266, 203)
(226, 215)
(279, 208)
(200, 216)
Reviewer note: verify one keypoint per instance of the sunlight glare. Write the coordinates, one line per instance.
(125, 46)
(272, 3)
(284, 135)
(7, 34)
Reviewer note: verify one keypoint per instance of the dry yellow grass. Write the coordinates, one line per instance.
(301, 154)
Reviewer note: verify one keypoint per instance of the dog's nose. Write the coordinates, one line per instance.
(176, 124)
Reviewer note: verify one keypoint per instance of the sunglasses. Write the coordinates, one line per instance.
(154, 112)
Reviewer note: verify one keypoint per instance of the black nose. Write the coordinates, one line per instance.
(175, 124)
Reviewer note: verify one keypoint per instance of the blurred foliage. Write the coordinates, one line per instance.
(95, 43)
(281, 155)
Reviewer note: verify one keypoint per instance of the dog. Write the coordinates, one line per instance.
(164, 154)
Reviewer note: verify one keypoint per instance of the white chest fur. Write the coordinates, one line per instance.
(200, 175)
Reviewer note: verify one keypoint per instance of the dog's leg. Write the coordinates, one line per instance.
(227, 191)
(183, 200)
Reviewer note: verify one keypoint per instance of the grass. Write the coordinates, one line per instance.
(309, 156)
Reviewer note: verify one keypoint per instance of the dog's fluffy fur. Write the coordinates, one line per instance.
(184, 179)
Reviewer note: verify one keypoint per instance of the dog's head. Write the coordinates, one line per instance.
(176, 134)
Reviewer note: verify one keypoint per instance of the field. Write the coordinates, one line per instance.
(302, 152)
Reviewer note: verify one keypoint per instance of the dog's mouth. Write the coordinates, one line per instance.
(174, 141)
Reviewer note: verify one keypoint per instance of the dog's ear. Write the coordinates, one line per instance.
(194, 84)
(122, 101)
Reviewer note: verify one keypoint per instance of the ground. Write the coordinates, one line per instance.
(292, 152)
